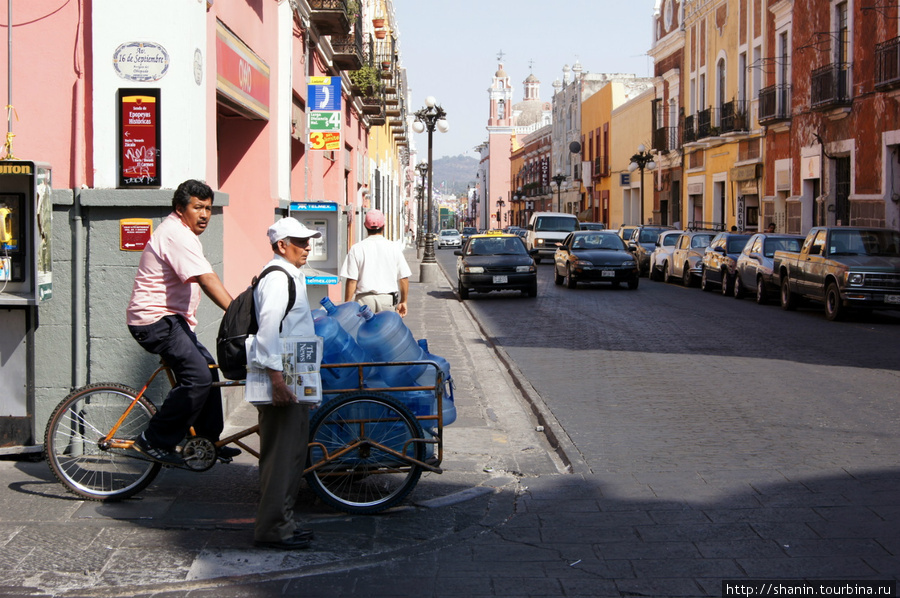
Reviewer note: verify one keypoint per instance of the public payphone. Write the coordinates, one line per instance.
(25, 281)
(25, 213)
(326, 252)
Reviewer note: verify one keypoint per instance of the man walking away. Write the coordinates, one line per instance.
(375, 270)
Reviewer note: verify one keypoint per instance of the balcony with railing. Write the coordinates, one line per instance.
(666, 139)
(830, 86)
(774, 104)
(330, 17)
(690, 129)
(373, 104)
(705, 124)
(348, 48)
(887, 65)
(733, 117)
(601, 167)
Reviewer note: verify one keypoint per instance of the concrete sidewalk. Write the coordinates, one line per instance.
(193, 531)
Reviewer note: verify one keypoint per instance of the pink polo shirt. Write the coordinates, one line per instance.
(165, 283)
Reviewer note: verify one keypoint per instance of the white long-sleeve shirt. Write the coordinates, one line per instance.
(271, 299)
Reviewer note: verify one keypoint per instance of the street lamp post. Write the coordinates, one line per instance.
(559, 178)
(427, 119)
(517, 197)
(641, 160)
(422, 169)
(500, 204)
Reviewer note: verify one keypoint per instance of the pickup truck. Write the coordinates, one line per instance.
(842, 267)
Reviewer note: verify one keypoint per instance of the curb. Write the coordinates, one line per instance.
(559, 440)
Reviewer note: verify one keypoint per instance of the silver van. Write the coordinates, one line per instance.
(545, 230)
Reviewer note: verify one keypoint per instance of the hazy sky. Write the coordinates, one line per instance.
(450, 49)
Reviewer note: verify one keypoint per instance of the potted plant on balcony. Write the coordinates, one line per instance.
(352, 9)
(378, 22)
(365, 79)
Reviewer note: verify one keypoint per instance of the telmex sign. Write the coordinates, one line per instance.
(15, 169)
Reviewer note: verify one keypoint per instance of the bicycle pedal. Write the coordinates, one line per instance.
(225, 460)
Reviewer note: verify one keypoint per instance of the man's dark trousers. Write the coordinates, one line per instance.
(192, 402)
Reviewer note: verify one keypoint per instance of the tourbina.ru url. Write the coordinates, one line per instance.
(808, 588)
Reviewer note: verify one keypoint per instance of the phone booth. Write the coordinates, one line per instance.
(25, 282)
(325, 253)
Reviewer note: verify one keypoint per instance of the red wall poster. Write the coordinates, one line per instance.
(139, 133)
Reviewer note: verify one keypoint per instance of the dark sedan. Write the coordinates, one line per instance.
(754, 265)
(495, 262)
(720, 259)
(595, 256)
(643, 242)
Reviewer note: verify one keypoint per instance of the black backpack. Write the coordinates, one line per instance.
(238, 322)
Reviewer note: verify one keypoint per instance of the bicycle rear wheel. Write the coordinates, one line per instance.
(78, 459)
(366, 478)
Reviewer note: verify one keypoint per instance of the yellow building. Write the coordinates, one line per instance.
(597, 132)
(722, 165)
(390, 178)
(631, 127)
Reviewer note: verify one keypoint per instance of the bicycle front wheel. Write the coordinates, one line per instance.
(360, 450)
(75, 446)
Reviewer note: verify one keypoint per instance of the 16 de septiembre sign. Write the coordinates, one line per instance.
(141, 61)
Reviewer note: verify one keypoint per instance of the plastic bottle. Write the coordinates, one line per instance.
(347, 314)
(385, 337)
(339, 347)
(428, 378)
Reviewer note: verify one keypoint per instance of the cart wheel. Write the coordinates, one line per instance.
(353, 471)
(78, 458)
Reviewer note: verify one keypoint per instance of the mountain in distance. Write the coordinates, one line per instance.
(452, 173)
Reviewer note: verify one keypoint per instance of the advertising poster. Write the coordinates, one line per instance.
(139, 138)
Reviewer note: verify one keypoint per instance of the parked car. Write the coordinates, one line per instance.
(626, 231)
(449, 237)
(592, 226)
(545, 230)
(684, 264)
(662, 251)
(754, 265)
(594, 256)
(720, 259)
(522, 233)
(843, 267)
(467, 232)
(643, 242)
(495, 262)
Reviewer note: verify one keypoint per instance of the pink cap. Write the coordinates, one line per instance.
(374, 219)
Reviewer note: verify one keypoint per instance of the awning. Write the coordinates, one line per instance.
(586, 215)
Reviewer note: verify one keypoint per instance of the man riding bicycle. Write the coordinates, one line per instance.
(161, 317)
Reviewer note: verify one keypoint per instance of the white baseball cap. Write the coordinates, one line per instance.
(290, 227)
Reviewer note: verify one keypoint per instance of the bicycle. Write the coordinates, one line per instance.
(367, 449)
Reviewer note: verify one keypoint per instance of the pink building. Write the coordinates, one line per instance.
(222, 92)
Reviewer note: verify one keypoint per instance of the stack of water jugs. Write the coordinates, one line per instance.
(354, 334)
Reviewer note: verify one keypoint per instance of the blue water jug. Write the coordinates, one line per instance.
(339, 347)
(347, 314)
(428, 378)
(385, 337)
